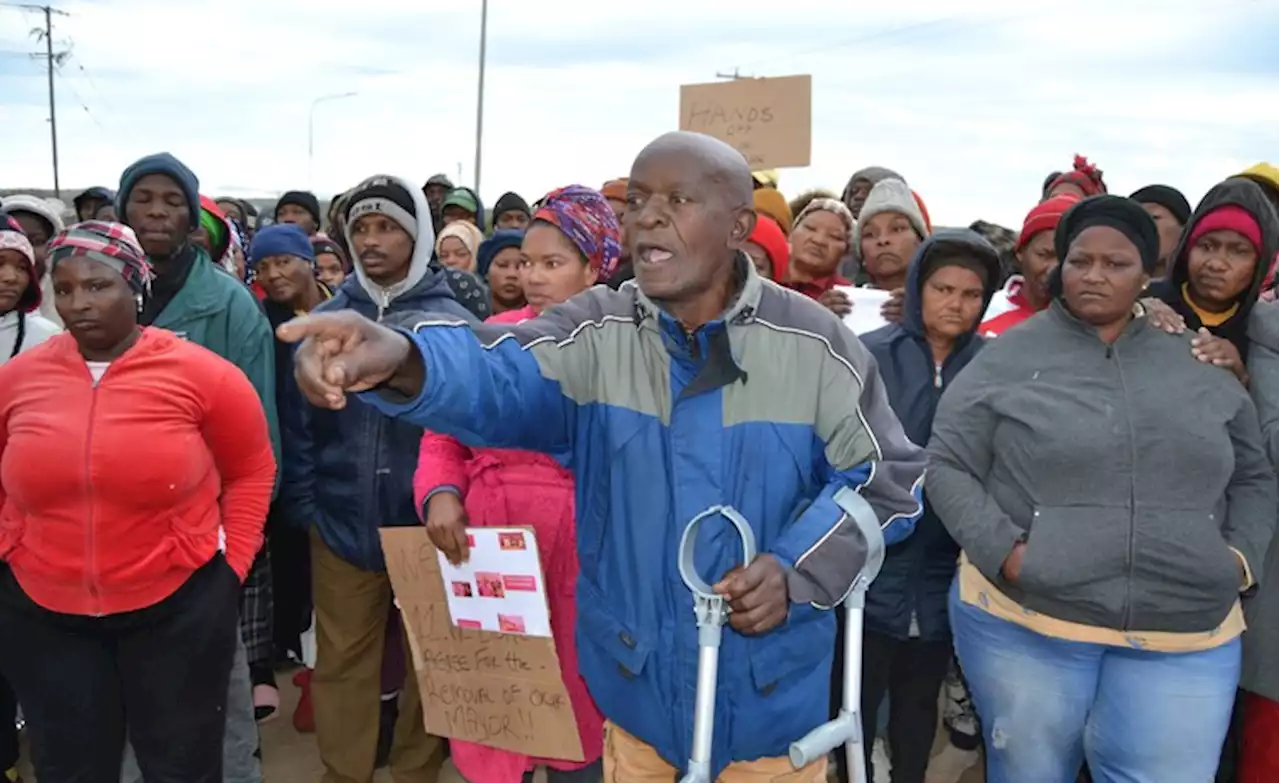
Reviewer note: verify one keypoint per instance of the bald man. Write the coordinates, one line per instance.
(698, 386)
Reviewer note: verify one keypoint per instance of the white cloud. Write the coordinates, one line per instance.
(973, 108)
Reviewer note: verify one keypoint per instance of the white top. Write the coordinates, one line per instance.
(37, 330)
(96, 370)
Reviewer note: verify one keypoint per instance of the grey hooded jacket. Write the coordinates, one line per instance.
(1132, 470)
(1261, 648)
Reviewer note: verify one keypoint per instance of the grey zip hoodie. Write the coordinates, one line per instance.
(1132, 469)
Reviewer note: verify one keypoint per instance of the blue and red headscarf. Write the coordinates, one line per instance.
(586, 218)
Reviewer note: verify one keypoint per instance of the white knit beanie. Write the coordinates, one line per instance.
(889, 195)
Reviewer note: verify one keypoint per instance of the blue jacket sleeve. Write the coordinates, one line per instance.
(504, 392)
(860, 445)
(298, 488)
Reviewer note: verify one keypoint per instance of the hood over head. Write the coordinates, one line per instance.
(439, 179)
(871, 174)
(949, 247)
(406, 204)
(12, 238)
(96, 192)
(34, 205)
(1249, 197)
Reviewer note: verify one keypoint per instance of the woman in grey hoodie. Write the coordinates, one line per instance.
(1107, 533)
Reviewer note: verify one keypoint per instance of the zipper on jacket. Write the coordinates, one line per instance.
(937, 375)
(384, 301)
(1133, 491)
(91, 548)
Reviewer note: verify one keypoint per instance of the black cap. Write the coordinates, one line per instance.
(1167, 197)
(301, 198)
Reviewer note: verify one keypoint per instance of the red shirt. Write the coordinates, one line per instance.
(114, 494)
(819, 286)
(1021, 310)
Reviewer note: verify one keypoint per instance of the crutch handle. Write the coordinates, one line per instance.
(710, 611)
(824, 739)
(689, 540)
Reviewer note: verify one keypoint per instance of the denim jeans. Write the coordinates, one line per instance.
(240, 763)
(1135, 716)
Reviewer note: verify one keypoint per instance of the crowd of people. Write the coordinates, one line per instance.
(1067, 429)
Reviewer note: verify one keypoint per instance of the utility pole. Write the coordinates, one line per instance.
(51, 61)
(484, 27)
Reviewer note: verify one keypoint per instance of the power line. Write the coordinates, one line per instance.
(51, 61)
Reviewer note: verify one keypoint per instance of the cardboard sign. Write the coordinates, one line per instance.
(497, 689)
(767, 120)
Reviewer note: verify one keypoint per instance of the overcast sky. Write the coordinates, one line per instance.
(973, 107)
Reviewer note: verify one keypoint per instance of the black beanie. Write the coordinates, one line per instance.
(386, 195)
(1167, 197)
(300, 198)
(1122, 214)
(511, 202)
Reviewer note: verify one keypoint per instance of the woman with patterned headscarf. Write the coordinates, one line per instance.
(135, 475)
(573, 241)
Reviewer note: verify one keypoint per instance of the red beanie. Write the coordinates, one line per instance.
(1044, 217)
(1229, 217)
(1083, 175)
(924, 213)
(768, 235)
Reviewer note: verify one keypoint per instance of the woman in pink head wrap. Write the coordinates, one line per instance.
(572, 242)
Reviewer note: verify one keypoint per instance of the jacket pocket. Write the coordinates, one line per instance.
(1186, 577)
(613, 658)
(791, 684)
(1078, 555)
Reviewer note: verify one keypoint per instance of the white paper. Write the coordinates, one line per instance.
(865, 316)
(500, 587)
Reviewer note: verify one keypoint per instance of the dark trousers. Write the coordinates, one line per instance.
(160, 674)
(290, 550)
(8, 727)
(911, 673)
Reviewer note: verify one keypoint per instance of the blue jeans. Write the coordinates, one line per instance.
(1135, 716)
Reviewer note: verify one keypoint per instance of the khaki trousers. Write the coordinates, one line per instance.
(628, 760)
(351, 624)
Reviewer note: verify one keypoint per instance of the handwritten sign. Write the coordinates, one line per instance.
(497, 689)
(767, 120)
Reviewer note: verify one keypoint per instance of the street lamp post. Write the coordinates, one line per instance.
(484, 27)
(311, 130)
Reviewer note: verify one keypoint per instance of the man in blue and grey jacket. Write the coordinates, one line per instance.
(702, 385)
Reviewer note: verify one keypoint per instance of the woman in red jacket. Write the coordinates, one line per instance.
(135, 474)
(573, 242)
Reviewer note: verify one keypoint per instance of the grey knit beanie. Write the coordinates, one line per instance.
(889, 195)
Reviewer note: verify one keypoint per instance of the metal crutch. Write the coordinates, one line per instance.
(711, 612)
(846, 729)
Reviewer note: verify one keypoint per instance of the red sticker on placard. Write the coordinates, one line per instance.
(524, 584)
(470, 625)
(510, 623)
